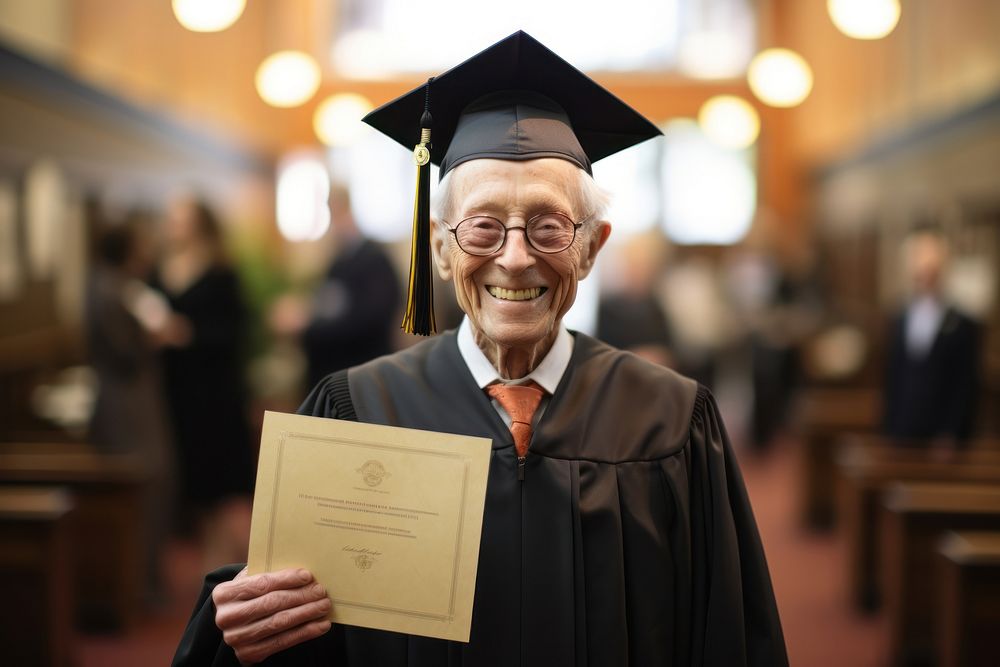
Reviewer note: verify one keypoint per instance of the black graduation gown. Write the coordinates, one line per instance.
(630, 540)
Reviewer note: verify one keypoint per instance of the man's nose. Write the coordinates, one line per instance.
(515, 256)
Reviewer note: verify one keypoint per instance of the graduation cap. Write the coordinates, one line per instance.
(517, 100)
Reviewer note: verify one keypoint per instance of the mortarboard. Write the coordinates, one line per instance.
(516, 100)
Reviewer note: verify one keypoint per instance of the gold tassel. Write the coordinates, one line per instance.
(419, 316)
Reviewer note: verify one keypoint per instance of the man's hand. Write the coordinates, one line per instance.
(262, 614)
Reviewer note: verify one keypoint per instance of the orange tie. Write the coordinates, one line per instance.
(520, 401)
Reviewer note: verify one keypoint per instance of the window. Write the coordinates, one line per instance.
(709, 193)
(707, 38)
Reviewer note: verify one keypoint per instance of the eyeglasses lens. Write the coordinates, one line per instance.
(483, 235)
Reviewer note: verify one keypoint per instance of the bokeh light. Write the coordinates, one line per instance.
(864, 19)
(337, 120)
(303, 189)
(208, 15)
(288, 78)
(780, 77)
(729, 121)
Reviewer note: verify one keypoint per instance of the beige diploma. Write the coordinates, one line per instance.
(388, 519)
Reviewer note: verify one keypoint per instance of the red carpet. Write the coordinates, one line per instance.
(809, 575)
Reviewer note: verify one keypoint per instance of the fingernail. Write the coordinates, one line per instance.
(304, 574)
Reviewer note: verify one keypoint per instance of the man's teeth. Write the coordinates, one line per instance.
(514, 294)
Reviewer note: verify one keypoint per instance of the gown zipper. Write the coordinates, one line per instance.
(520, 613)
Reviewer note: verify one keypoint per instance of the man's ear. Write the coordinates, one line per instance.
(439, 249)
(598, 237)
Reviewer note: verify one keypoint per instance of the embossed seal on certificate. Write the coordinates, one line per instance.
(364, 561)
(373, 472)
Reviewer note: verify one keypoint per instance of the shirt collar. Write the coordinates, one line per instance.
(547, 374)
(927, 303)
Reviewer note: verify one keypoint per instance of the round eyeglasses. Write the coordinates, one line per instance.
(547, 233)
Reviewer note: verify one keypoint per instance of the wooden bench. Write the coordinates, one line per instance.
(864, 472)
(823, 417)
(106, 530)
(915, 516)
(970, 603)
(35, 575)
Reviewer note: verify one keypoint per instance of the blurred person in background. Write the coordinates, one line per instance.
(352, 314)
(203, 368)
(932, 352)
(631, 317)
(130, 415)
(775, 301)
(701, 320)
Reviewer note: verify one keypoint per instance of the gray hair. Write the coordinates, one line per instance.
(591, 197)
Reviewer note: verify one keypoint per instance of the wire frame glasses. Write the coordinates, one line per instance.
(547, 233)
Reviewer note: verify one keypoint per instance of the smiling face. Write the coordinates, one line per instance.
(516, 297)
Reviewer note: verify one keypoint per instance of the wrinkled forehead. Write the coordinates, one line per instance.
(509, 184)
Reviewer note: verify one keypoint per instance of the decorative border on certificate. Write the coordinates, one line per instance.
(388, 519)
(287, 437)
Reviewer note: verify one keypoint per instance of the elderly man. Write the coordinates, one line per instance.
(617, 529)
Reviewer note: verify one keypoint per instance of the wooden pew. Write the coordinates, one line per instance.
(864, 472)
(970, 612)
(106, 529)
(823, 417)
(915, 516)
(35, 575)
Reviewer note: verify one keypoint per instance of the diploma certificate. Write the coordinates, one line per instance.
(388, 519)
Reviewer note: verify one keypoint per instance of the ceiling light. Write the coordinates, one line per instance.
(288, 78)
(780, 77)
(729, 121)
(337, 120)
(864, 19)
(208, 15)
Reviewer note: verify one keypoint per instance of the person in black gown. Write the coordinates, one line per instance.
(204, 379)
(622, 535)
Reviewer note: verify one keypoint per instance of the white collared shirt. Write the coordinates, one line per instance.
(923, 321)
(547, 374)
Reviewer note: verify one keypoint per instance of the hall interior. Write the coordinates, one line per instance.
(771, 229)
